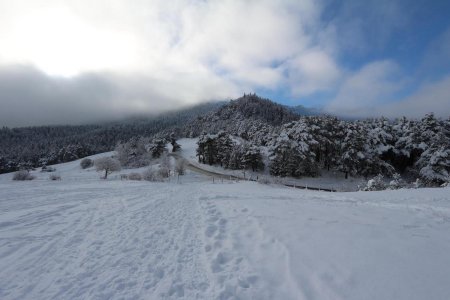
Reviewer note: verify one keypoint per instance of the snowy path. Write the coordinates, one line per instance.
(85, 238)
(198, 168)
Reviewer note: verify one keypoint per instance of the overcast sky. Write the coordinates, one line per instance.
(82, 61)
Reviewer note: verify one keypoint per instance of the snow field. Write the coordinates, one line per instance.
(87, 238)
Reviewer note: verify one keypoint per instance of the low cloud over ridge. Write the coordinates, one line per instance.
(78, 61)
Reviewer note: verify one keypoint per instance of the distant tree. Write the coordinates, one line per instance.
(157, 148)
(429, 127)
(291, 152)
(224, 146)
(107, 164)
(252, 158)
(207, 149)
(284, 158)
(134, 153)
(434, 163)
(175, 146)
(235, 161)
(352, 149)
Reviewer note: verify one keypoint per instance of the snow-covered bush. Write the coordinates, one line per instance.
(418, 183)
(47, 169)
(108, 165)
(54, 177)
(86, 163)
(23, 175)
(151, 175)
(396, 182)
(134, 176)
(164, 172)
(375, 184)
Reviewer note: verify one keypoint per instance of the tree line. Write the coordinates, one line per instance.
(305, 147)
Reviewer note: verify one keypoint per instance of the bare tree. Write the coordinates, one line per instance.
(107, 164)
(164, 166)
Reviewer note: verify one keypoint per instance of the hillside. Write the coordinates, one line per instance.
(241, 117)
(87, 238)
(29, 147)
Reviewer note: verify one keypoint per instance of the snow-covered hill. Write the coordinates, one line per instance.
(87, 238)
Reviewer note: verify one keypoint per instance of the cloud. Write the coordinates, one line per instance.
(149, 55)
(430, 97)
(312, 71)
(30, 97)
(86, 61)
(363, 91)
(374, 91)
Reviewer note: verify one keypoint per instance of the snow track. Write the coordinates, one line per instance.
(116, 245)
(105, 240)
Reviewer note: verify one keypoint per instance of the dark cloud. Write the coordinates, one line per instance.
(29, 97)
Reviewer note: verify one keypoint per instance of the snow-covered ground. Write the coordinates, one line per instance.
(87, 238)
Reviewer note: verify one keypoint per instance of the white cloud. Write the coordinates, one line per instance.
(241, 40)
(430, 97)
(370, 92)
(363, 91)
(312, 71)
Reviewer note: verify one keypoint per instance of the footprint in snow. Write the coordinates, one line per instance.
(210, 230)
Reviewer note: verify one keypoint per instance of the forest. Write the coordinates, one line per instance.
(256, 134)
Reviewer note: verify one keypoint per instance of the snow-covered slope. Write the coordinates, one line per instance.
(87, 238)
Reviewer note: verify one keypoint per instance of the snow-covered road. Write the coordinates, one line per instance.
(86, 238)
